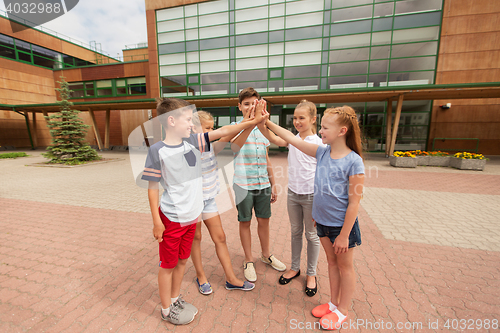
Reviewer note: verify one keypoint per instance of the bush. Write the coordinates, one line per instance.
(13, 155)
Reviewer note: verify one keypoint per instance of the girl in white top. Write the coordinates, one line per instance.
(301, 170)
(204, 122)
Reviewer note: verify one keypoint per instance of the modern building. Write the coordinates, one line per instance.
(397, 62)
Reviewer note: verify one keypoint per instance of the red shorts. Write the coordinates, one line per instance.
(177, 242)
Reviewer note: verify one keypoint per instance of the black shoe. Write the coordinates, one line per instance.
(312, 291)
(284, 280)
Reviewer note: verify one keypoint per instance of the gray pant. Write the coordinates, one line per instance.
(300, 214)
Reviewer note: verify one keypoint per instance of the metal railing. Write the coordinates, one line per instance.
(476, 150)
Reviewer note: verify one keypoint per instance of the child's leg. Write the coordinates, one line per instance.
(313, 243)
(218, 236)
(165, 286)
(296, 217)
(177, 275)
(246, 240)
(345, 264)
(263, 232)
(333, 270)
(196, 255)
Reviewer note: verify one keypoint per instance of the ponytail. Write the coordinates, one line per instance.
(347, 117)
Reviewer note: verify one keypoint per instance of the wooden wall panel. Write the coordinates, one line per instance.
(154, 74)
(158, 4)
(469, 52)
(130, 119)
(134, 69)
(115, 137)
(135, 54)
(102, 72)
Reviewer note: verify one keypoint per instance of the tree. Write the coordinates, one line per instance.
(68, 133)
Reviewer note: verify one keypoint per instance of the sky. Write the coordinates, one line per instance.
(113, 23)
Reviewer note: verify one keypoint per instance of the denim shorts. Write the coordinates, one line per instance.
(333, 232)
(209, 206)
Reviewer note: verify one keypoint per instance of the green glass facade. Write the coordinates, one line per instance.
(217, 48)
(131, 86)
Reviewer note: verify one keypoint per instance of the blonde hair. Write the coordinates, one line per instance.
(202, 116)
(347, 117)
(313, 112)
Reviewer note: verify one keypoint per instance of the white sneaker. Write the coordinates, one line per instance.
(274, 263)
(249, 271)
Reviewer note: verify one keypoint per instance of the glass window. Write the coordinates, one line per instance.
(214, 43)
(383, 9)
(260, 86)
(216, 31)
(413, 6)
(413, 64)
(191, 22)
(252, 75)
(276, 74)
(193, 45)
(251, 39)
(412, 78)
(218, 54)
(350, 55)
(350, 28)
(214, 89)
(304, 20)
(276, 61)
(251, 51)
(417, 20)
(349, 68)
(7, 52)
(169, 13)
(310, 45)
(214, 78)
(379, 66)
(251, 26)
(414, 49)
(352, 13)
(415, 35)
(348, 3)
(24, 56)
(251, 14)
(103, 83)
(172, 70)
(379, 38)
(277, 10)
(192, 56)
(245, 3)
(169, 59)
(298, 7)
(301, 84)
(89, 89)
(170, 37)
(6, 40)
(342, 82)
(192, 34)
(170, 25)
(303, 59)
(44, 62)
(380, 52)
(277, 23)
(382, 24)
(276, 36)
(304, 33)
(171, 48)
(349, 41)
(214, 66)
(193, 79)
(212, 19)
(377, 80)
(276, 48)
(223, 121)
(191, 10)
(23, 46)
(46, 53)
(302, 72)
(251, 63)
(173, 80)
(212, 7)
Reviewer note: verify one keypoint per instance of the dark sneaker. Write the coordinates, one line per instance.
(246, 286)
(178, 315)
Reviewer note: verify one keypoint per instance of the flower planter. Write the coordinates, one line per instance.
(422, 160)
(439, 161)
(403, 162)
(467, 164)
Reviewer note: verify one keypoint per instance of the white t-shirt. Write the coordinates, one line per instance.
(302, 167)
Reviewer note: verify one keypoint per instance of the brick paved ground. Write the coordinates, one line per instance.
(77, 255)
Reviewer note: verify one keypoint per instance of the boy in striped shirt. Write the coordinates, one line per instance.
(253, 186)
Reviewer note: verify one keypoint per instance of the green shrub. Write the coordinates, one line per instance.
(13, 155)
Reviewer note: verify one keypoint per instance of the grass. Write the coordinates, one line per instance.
(13, 155)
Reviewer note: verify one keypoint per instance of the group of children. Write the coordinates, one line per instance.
(325, 186)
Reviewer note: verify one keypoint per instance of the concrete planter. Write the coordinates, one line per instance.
(442, 161)
(422, 160)
(466, 164)
(403, 162)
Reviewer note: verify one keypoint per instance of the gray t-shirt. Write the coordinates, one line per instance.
(331, 186)
(178, 169)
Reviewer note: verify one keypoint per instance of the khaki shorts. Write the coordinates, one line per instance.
(259, 200)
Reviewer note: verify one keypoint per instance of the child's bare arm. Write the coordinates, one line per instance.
(273, 138)
(232, 130)
(270, 173)
(154, 196)
(356, 184)
(306, 147)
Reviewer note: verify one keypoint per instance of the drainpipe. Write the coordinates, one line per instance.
(27, 126)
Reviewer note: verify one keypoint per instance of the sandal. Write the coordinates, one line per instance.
(312, 291)
(284, 280)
